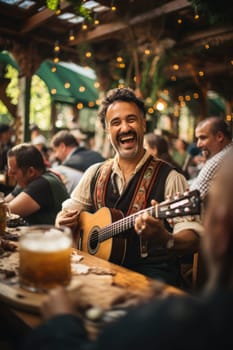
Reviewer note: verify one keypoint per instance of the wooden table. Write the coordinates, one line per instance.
(95, 283)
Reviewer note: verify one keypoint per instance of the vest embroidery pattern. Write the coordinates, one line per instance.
(149, 172)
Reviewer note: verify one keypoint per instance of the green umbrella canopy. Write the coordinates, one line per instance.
(6, 58)
(69, 83)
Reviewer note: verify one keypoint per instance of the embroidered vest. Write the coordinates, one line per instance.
(147, 184)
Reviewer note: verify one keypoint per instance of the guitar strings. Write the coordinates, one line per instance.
(126, 223)
(119, 226)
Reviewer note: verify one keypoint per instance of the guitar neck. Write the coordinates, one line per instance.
(123, 224)
(188, 204)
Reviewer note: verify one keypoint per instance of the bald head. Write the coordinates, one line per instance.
(212, 134)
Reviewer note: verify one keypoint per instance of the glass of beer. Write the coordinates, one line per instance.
(4, 213)
(44, 257)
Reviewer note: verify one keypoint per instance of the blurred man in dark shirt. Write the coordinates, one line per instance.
(67, 150)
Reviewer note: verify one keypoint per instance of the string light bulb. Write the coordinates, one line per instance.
(96, 20)
(84, 26)
(79, 105)
(119, 59)
(71, 35)
(67, 85)
(56, 47)
(113, 6)
(56, 59)
(53, 69)
(91, 104)
(196, 15)
(176, 66)
(58, 10)
(147, 52)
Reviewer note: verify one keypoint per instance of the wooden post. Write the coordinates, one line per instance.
(27, 99)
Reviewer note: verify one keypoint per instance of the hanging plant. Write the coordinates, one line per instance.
(215, 10)
(152, 76)
(77, 4)
(52, 4)
(145, 75)
(158, 78)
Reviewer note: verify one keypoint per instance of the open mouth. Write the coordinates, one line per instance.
(127, 139)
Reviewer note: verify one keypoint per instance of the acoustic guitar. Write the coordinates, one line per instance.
(99, 234)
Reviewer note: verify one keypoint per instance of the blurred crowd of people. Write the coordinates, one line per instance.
(68, 155)
(57, 179)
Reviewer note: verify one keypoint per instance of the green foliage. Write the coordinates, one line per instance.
(39, 104)
(52, 4)
(83, 12)
(145, 74)
(12, 92)
(214, 10)
(152, 77)
(12, 89)
(77, 4)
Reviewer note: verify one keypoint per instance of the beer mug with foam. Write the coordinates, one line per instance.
(44, 257)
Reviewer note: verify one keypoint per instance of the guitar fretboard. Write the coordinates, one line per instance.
(122, 225)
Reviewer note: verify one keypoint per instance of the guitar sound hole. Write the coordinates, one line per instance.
(93, 242)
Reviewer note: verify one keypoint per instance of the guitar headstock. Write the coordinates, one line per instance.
(187, 204)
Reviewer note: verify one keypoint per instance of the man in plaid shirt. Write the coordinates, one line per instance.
(215, 140)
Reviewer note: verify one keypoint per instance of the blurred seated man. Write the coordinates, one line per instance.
(172, 323)
(67, 150)
(74, 159)
(215, 141)
(39, 193)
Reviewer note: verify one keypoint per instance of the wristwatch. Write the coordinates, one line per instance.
(170, 243)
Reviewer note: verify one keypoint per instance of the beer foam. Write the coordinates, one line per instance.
(50, 241)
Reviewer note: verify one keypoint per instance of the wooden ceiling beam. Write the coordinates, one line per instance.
(40, 18)
(104, 30)
(211, 69)
(224, 33)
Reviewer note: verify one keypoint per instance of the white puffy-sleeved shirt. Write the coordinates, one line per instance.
(81, 197)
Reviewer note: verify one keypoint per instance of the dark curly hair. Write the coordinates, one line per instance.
(123, 94)
(26, 156)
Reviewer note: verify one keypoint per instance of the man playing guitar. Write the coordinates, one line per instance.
(130, 182)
